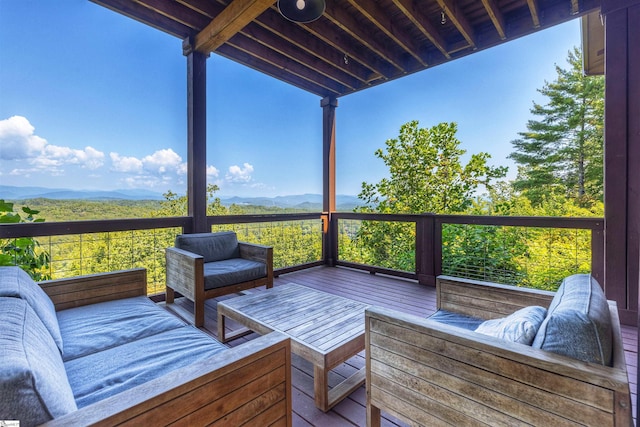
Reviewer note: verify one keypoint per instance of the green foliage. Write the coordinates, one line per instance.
(426, 173)
(562, 153)
(25, 251)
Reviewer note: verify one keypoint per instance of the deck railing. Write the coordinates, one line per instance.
(420, 247)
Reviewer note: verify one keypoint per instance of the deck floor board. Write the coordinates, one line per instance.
(380, 290)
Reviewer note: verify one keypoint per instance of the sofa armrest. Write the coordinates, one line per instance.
(185, 271)
(423, 371)
(94, 288)
(486, 300)
(250, 383)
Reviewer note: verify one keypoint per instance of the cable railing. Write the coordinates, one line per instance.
(527, 251)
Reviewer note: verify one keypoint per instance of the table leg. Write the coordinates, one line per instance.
(221, 328)
(326, 399)
(321, 387)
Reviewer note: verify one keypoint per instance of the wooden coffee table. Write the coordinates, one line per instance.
(325, 329)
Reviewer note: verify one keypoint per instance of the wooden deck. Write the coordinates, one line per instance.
(403, 295)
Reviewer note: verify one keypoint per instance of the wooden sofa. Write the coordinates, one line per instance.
(246, 385)
(429, 373)
(201, 265)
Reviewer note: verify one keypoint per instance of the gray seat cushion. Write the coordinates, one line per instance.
(33, 382)
(100, 375)
(578, 322)
(212, 246)
(97, 327)
(232, 271)
(15, 282)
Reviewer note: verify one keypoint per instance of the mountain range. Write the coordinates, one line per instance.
(306, 201)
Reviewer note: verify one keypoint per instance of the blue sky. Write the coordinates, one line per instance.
(90, 99)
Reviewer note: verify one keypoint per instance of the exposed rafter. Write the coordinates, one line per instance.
(422, 23)
(496, 17)
(459, 20)
(535, 12)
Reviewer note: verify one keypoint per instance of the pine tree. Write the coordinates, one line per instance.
(562, 153)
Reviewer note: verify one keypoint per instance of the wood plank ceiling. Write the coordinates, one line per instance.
(356, 44)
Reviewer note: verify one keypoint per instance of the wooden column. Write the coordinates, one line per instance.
(197, 137)
(622, 154)
(329, 243)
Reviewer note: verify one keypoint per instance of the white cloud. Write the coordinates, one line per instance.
(17, 140)
(55, 155)
(125, 164)
(239, 174)
(212, 171)
(162, 161)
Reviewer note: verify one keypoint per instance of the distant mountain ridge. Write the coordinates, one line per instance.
(308, 201)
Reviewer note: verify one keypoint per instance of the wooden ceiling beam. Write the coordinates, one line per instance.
(175, 11)
(229, 22)
(147, 16)
(453, 12)
(422, 23)
(575, 7)
(380, 18)
(258, 64)
(351, 26)
(496, 17)
(534, 9)
(268, 40)
(343, 44)
(245, 44)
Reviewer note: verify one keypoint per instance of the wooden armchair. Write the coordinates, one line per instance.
(208, 265)
(429, 373)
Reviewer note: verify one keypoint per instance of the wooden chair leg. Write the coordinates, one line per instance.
(373, 416)
(169, 295)
(199, 313)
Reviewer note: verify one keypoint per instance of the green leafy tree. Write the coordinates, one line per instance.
(561, 153)
(24, 251)
(426, 175)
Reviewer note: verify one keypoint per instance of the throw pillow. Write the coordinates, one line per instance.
(520, 327)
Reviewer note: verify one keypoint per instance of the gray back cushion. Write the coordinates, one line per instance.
(578, 322)
(212, 246)
(14, 282)
(34, 387)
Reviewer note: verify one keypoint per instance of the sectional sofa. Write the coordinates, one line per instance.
(96, 350)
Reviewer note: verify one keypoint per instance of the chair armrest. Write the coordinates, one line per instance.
(184, 271)
(255, 252)
(464, 377)
(486, 300)
(247, 383)
(259, 253)
(94, 288)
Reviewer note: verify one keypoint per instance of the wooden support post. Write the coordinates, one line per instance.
(622, 155)
(197, 137)
(425, 250)
(329, 243)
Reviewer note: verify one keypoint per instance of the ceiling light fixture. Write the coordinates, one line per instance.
(301, 11)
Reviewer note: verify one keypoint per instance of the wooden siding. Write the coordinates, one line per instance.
(405, 295)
